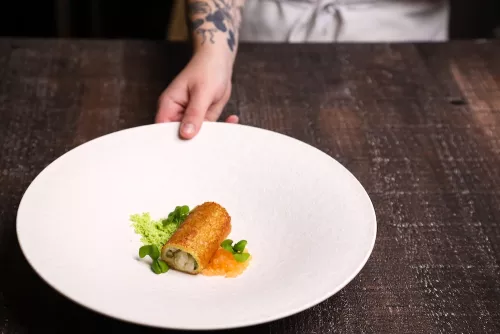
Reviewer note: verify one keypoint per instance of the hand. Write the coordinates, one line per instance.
(198, 93)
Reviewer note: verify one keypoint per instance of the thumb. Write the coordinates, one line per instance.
(199, 102)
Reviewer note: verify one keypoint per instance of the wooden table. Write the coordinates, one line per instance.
(419, 125)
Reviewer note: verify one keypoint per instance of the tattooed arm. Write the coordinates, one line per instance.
(202, 89)
(215, 21)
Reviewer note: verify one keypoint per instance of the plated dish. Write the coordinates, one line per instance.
(147, 228)
(192, 242)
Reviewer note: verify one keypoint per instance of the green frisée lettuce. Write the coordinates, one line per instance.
(157, 232)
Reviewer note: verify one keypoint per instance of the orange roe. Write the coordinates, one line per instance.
(224, 264)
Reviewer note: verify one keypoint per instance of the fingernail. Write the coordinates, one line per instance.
(188, 128)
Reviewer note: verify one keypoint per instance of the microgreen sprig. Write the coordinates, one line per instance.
(174, 219)
(178, 215)
(236, 250)
(158, 266)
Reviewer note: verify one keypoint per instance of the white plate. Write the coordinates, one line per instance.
(309, 223)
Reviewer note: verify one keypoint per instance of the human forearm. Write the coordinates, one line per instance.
(214, 25)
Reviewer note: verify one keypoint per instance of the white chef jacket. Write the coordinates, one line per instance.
(302, 21)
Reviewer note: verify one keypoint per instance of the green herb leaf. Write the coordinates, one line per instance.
(227, 242)
(159, 267)
(177, 216)
(164, 266)
(155, 266)
(155, 253)
(150, 250)
(240, 246)
(184, 210)
(241, 257)
(144, 250)
(228, 245)
(228, 248)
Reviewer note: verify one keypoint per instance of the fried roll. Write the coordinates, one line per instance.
(195, 242)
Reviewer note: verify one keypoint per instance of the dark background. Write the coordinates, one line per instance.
(148, 19)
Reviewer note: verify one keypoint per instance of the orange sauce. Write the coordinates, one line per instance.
(224, 264)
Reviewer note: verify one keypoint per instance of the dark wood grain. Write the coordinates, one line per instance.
(418, 125)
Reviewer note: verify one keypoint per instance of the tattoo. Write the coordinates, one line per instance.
(197, 23)
(231, 40)
(223, 16)
(204, 32)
